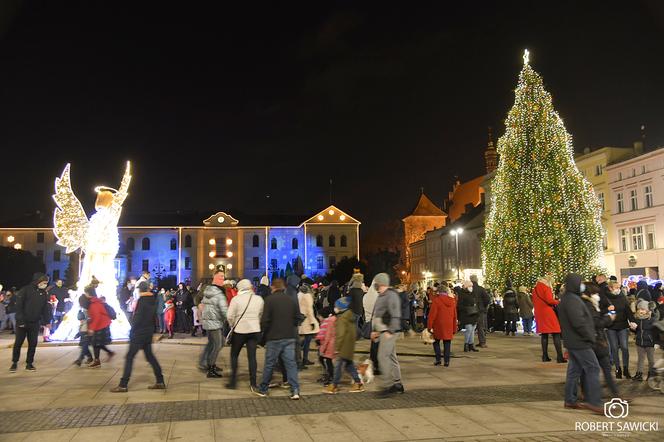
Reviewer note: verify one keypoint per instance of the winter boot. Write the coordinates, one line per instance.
(638, 376)
(465, 347)
(618, 373)
(217, 370)
(211, 373)
(626, 373)
(471, 347)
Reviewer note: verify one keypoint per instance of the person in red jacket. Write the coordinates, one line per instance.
(546, 318)
(442, 322)
(99, 326)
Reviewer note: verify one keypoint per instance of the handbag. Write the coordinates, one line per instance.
(366, 327)
(426, 337)
(229, 336)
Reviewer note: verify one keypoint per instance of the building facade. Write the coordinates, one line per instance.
(188, 252)
(636, 187)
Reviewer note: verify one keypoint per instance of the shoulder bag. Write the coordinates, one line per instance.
(229, 336)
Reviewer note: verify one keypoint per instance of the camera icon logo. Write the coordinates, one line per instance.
(616, 408)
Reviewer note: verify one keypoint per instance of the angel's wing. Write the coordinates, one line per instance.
(123, 191)
(70, 223)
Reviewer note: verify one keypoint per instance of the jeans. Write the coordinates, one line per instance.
(387, 359)
(482, 327)
(618, 340)
(583, 362)
(527, 325)
(31, 331)
(211, 351)
(57, 319)
(134, 347)
(306, 341)
(642, 352)
(238, 340)
(160, 319)
(284, 348)
(85, 347)
(469, 333)
(350, 368)
(446, 350)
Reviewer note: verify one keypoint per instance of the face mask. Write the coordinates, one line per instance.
(582, 287)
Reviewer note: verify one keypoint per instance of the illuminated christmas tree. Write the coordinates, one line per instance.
(544, 217)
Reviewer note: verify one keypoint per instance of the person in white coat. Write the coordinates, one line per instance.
(309, 327)
(369, 302)
(244, 317)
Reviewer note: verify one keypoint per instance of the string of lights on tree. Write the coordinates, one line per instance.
(544, 216)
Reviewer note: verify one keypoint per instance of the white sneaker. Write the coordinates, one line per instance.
(295, 397)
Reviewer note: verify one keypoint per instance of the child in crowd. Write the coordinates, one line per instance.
(325, 341)
(645, 339)
(84, 341)
(169, 316)
(344, 345)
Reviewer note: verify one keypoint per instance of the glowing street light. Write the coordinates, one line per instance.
(456, 233)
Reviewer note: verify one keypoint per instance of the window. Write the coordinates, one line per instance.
(145, 265)
(273, 265)
(648, 192)
(633, 200)
(145, 244)
(174, 244)
(643, 169)
(319, 241)
(333, 262)
(254, 241)
(599, 169)
(255, 262)
(40, 254)
(273, 243)
(332, 241)
(344, 241)
(40, 237)
(623, 240)
(187, 241)
(633, 172)
(294, 244)
(637, 237)
(129, 263)
(220, 246)
(600, 196)
(650, 236)
(131, 244)
(619, 176)
(187, 263)
(56, 255)
(320, 262)
(56, 275)
(621, 207)
(174, 265)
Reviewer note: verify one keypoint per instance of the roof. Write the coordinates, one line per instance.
(425, 207)
(469, 192)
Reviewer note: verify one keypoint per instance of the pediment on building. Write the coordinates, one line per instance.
(332, 215)
(220, 219)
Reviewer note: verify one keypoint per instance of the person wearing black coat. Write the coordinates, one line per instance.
(601, 321)
(333, 293)
(32, 310)
(618, 331)
(643, 291)
(468, 313)
(484, 301)
(511, 310)
(578, 331)
(140, 338)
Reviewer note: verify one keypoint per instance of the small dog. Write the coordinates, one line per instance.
(366, 371)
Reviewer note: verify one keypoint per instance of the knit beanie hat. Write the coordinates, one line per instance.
(382, 279)
(244, 284)
(342, 304)
(643, 304)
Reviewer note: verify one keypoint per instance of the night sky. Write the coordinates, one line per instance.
(219, 107)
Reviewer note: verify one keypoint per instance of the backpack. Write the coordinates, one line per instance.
(109, 310)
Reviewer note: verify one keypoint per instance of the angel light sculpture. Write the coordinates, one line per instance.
(98, 240)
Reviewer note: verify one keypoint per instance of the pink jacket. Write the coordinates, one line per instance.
(326, 336)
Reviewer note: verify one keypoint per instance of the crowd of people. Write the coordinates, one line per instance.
(589, 323)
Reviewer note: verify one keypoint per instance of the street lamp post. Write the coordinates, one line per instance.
(456, 233)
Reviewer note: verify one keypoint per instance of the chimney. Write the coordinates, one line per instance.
(586, 150)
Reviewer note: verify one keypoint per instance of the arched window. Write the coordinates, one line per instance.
(254, 241)
(332, 241)
(294, 244)
(319, 241)
(145, 245)
(131, 244)
(174, 244)
(344, 241)
(273, 244)
(187, 241)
